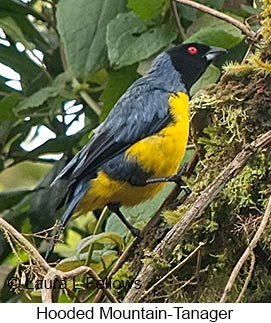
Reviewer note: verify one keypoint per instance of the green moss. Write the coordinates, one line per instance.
(172, 217)
(226, 118)
(122, 281)
(266, 20)
(155, 260)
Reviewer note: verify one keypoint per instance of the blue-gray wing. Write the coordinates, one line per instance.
(138, 114)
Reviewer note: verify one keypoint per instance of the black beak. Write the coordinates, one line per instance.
(213, 52)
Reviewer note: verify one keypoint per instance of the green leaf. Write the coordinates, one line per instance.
(218, 32)
(37, 99)
(29, 104)
(25, 175)
(11, 198)
(118, 83)
(19, 13)
(17, 7)
(70, 264)
(210, 76)
(11, 28)
(82, 27)
(32, 75)
(187, 13)
(56, 145)
(4, 89)
(103, 238)
(18, 61)
(7, 116)
(5, 129)
(251, 10)
(147, 10)
(7, 105)
(100, 77)
(217, 4)
(30, 32)
(99, 259)
(129, 41)
(121, 32)
(216, 37)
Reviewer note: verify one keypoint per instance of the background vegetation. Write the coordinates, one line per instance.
(73, 59)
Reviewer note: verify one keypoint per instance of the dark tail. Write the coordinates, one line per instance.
(78, 194)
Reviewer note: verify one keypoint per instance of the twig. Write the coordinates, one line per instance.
(87, 98)
(31, 250)
(251, 269)
(248, 32)
(247, 252)
(197, 274)
(48, 295)
(181, 287)
(8, 237)
(50, 274)
(201, 244)
(187, 283)
(174, 10)
(176, 234)
(54, 274)
(42, 64)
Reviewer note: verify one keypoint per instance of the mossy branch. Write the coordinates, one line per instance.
(176, 234)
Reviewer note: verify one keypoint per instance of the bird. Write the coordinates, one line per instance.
(140, 144)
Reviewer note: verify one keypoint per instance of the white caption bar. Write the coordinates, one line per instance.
(234, 313)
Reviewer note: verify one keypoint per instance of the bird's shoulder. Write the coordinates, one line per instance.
(141, 104)
(140, 112)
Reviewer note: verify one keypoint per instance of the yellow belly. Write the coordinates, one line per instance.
(161, 154)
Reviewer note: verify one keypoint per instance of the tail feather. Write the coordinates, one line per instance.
(79, 192)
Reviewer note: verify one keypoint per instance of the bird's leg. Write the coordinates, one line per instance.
(116, 209)
(176, 178)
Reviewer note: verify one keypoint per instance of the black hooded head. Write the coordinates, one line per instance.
(191, 60)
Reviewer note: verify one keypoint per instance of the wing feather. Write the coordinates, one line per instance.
(138, 114)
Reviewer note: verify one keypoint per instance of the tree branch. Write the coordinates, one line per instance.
(248, 278)
(54, 274)
(176, 234)
(84, 95)
(181, 264)
(174, 10)
(247, 252)
(50, 274)
(245, 30)
(87, 98)
(28, 247)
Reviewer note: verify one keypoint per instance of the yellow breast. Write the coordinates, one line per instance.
(160, 154)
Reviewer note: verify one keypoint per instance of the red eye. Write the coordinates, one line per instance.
(192, 50)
